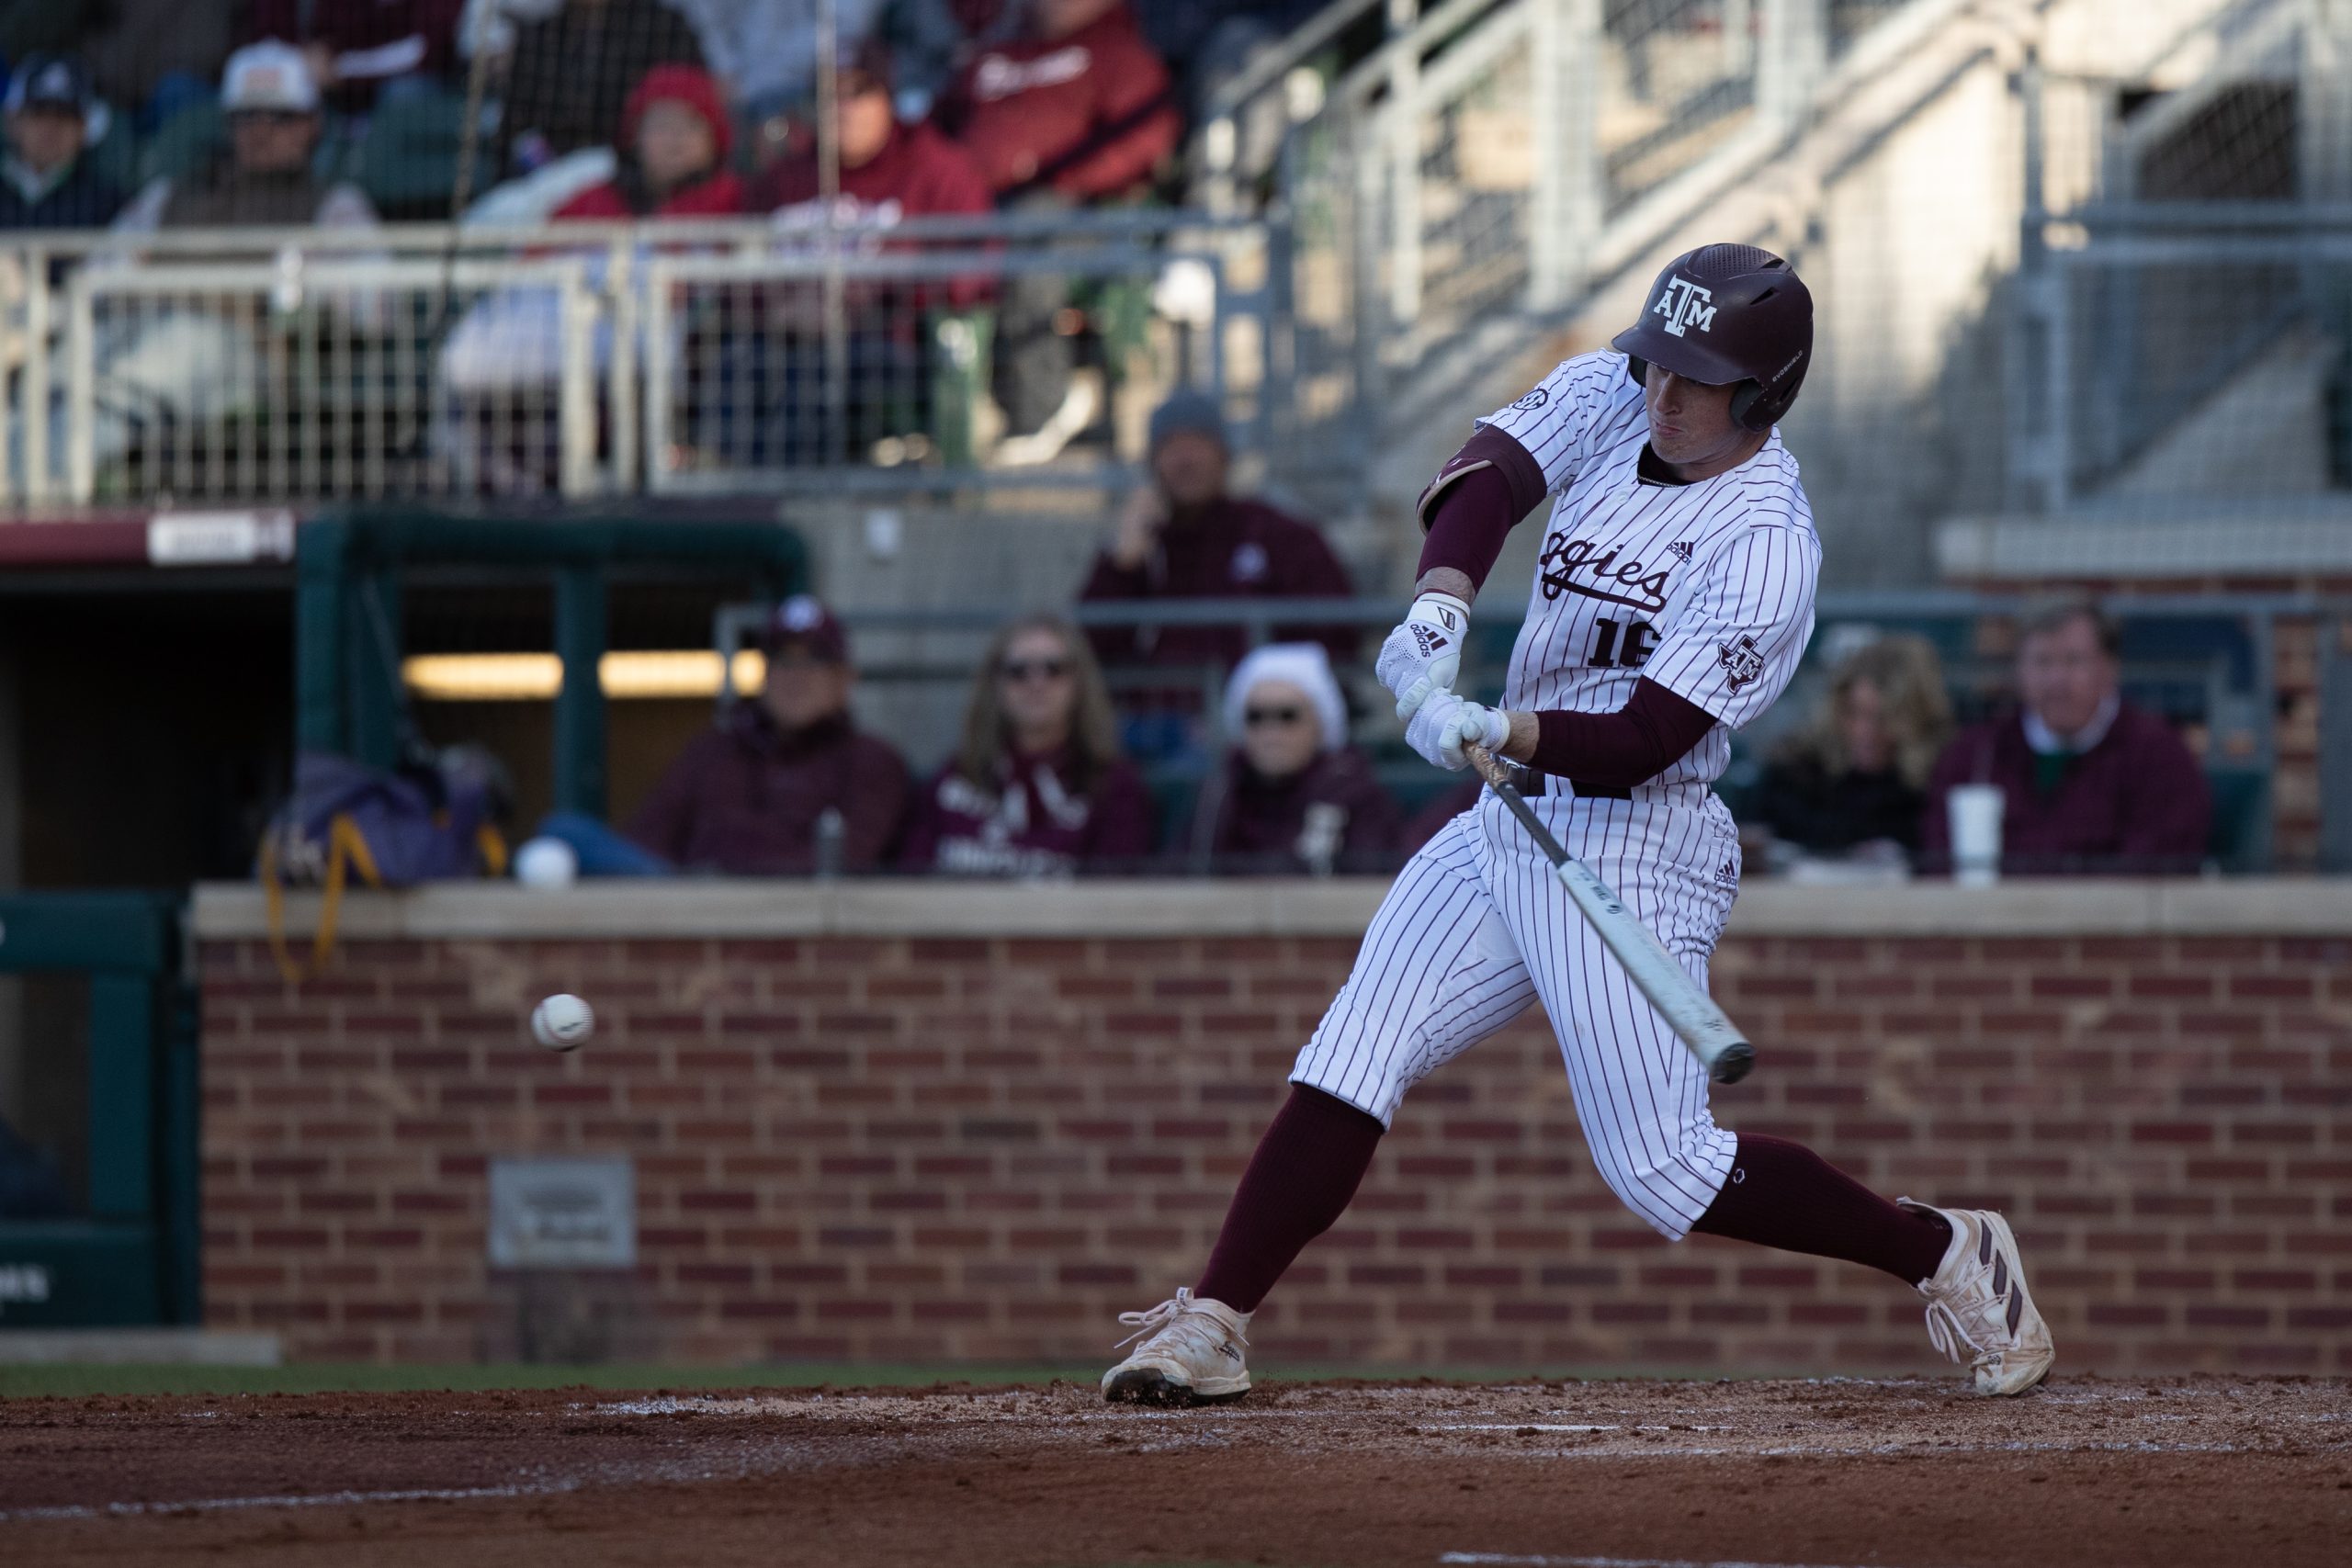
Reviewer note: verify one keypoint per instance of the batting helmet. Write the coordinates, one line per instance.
(1728, 313)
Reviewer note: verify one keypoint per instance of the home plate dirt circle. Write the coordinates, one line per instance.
(1606, 1474)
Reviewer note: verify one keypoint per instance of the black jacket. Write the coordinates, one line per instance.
(82, 199)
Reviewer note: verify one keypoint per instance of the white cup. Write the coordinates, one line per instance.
(1975, 817)
(545, 864)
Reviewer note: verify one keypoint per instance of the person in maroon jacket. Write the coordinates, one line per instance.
(786, 785)
(2090, 783)
(1075, 112)
(887, 171)
(1293, 794)
(1185, 536)
(1037, 787)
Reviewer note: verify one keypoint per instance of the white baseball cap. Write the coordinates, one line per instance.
(268, 75)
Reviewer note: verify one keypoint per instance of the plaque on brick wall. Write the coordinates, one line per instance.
(563, 1213)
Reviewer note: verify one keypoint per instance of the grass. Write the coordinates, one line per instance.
(334, 1377)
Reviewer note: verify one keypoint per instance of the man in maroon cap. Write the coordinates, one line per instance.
(784, 784)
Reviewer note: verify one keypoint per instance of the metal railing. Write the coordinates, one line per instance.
(582, 359)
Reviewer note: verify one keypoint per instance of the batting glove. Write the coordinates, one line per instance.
(1445, 724)
(1424, 654)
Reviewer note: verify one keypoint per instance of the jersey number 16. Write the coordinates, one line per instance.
(1639, 642)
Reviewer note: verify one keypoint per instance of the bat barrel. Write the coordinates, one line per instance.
(1734, 1063)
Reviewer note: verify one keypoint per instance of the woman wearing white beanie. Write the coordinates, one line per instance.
(1293, 794)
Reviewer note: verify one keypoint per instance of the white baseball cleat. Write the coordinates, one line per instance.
(1978, 1308)
(1193, 1354)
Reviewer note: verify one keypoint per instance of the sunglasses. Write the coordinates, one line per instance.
(1019, 670)
(1255, 718)
(268, 116)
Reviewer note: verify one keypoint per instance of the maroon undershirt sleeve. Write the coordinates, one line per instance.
(1475, 503)
(1634, 745)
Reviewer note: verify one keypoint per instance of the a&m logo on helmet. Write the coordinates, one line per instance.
(1684, 305)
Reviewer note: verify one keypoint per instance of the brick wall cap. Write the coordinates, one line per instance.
(1339, 907)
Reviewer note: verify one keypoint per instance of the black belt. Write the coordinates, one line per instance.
(1532, 784)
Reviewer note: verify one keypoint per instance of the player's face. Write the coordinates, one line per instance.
(1279, 733)
(2063, 675)
(802, 690)
(1690, 424)
(1036, 689)
(1191, 467)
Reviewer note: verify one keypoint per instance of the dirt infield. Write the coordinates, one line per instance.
(1905, 1474)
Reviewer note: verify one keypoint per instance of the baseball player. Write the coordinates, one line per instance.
(1672, 602)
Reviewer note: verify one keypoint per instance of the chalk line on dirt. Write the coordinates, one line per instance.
(288, 1500)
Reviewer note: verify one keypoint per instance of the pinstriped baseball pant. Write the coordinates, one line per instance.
(1477, 927)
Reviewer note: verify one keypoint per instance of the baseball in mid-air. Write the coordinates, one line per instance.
(562, 1023)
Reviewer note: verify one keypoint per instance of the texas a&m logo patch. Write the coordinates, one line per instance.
(1743, 661)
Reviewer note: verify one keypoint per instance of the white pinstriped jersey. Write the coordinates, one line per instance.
(1706, 589)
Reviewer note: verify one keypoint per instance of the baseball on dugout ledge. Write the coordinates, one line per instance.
(562, 1023)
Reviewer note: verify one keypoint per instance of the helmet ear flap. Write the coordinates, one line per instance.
(1639, 369)
(1749, 410)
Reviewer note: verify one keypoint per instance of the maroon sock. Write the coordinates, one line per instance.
(1782, 1194)
(1298, 1183)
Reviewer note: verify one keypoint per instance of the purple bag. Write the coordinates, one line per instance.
(392, 829)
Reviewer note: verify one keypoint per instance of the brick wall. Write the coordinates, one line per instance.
(912, 1147)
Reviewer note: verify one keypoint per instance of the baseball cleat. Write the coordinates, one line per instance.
(1979, 1310)
(1191, 1354)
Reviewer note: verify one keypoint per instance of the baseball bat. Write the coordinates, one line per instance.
(1657, 974)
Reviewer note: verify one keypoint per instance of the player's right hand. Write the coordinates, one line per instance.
(1424, 654)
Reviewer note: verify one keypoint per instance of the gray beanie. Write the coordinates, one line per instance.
(1188, 409)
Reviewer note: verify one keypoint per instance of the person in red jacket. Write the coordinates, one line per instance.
(785, 785)
(1075, 112)
(2091, 785)
(1293, 794)
(1038, 786)
(888, 173)
(674, 141)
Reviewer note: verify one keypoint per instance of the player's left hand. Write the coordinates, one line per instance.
(1445, 724)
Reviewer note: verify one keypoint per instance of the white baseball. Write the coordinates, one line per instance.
(562, 1023)
(546, 864)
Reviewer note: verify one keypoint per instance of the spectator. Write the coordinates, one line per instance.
(47, 179)
(1037, 787)
(767, 51)
(1293, 794)
(1185, 536)
(2089, 782)
(570, 70)
(887, 171)
(674, 141)
(357, 48)
(265, 179)
(1853, 781)
(1078, 104)
(1074, 111)
(778, 781)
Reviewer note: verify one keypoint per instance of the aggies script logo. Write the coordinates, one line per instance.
(1685, 305)
(1606, 577)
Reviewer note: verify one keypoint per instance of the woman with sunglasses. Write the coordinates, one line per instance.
(1293, 794)
(1037, 787)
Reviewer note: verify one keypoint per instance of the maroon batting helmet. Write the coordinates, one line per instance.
(1726, 314)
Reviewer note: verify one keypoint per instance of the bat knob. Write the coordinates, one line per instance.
(1734, 1064)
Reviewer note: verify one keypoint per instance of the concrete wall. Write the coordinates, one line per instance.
(917, 1122)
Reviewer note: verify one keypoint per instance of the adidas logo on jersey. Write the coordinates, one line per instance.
(1685, 305)
(1683, 551)
(1727, 873)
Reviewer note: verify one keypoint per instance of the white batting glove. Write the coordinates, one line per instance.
(1424, 654)
(1445, 724)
